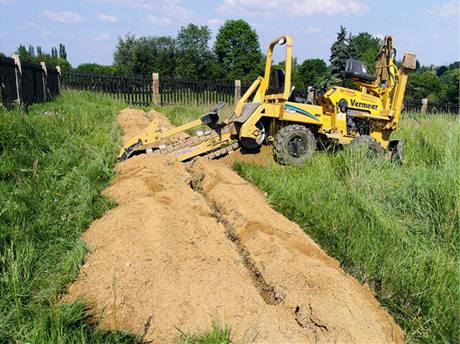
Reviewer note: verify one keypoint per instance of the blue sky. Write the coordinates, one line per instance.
(89, 28)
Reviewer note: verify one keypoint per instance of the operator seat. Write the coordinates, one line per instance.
(356, 69)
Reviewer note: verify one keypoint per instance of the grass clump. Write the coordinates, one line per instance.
(216, 335)
(54, 160)
(393, 227)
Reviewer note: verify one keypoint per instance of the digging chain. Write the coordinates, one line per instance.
(196, 140)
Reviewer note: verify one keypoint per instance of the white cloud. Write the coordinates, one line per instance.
(165, 11)
(5, 2)
(158, 21)
(313, 30)
(107, 18)
(102, 37)
(445, 10)
(293, 8)
(45, 33)
(30, 25)
(62, 16)
(4, 34)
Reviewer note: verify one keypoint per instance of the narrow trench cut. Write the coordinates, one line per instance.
(265, 290)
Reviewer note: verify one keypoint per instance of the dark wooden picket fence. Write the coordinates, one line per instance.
(8, 82)
(143, 90)
(416, 105)
(27, 83)
(193, 92)
(137, 90)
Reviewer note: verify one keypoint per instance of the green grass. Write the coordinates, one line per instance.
(217, 335)
(393, 227)
(54, 160)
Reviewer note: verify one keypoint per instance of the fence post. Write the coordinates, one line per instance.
(156, 88)
(424, 108)
(18, 73)
(311, 94)
(58, 69)
(237, 90)
(44, 81)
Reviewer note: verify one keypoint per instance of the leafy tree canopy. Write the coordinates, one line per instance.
(365, 48)
(28, 56)
(194, 58)
(96, 68)
(311, 72)
(145, 55)
(238, 52)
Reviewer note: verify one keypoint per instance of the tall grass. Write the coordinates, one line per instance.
(54, 160)
(393, 227)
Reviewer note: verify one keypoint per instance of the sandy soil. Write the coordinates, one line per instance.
(189, 244)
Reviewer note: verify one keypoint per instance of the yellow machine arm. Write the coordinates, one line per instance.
(391, 81)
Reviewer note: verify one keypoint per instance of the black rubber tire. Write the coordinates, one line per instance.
(294, 144)
(375, 149)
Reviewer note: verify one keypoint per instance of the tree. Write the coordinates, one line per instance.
(28, 56)
(96, 68)
(62, 52)
(31, 51)
(311, 72)
(145, 55)
(24, 54)
(423, 84)
(194, 58)
(125, 54)
(339, 55)
(238, 52)
(54, 61)
(365, 48)
(449, 93)
(164, 54)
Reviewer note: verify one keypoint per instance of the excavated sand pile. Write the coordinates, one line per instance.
(187, 245)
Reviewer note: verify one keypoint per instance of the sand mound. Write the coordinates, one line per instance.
(263, 157)
(188, 245)
(134, 121)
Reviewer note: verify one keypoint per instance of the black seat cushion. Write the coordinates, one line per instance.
(356, 69)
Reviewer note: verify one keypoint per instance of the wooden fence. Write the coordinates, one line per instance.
(27, 83)
(424, 106)
(137, 90)
(191, 92)
(142, 90)
(149, 90)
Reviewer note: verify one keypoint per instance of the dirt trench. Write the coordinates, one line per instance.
(192, 244)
